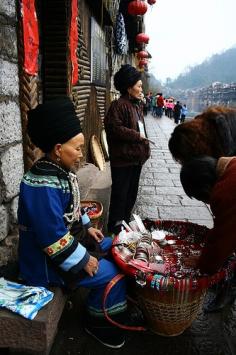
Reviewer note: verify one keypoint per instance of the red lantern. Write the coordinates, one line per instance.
(142, 38)
(143, 62)
(142, 54)
(151, 2)
(137, 7)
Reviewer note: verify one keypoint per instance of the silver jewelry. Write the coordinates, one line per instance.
(73, 181)
(74, 215)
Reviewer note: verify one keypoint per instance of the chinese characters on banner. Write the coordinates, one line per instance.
(74, 41)
(30, 37)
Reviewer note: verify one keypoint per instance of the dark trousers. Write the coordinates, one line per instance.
(124, 190)
(177, 117)
(169, 112)
(182, 118)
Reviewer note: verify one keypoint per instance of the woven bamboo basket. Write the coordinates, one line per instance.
(94, 217)
(170, 313)
(171, 307)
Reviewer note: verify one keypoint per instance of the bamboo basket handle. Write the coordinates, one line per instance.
(108, 288)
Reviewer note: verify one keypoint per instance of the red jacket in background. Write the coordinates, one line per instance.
(160, 101)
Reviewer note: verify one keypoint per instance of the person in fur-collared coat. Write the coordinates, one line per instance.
(213, 181)
(212, 133)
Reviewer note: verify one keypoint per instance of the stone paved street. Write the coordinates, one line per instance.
(160, 196)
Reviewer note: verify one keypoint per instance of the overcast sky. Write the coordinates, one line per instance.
(186, 32)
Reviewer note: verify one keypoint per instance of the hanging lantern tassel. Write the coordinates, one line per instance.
(151, 2)
(142, 63)
(142, 38)
(138, 7)
(142, 54)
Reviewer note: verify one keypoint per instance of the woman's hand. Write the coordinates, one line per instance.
(92, 266)
(96, 234)
(144, 140)
(142, 135)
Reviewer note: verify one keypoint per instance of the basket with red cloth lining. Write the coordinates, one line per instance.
(170, 300)
(94, 210)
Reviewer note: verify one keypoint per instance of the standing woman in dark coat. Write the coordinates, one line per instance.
(128, 145)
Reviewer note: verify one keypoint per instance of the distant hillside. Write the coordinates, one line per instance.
(220, 67)
(154, 85)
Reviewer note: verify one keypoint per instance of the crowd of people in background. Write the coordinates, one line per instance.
(159, 105)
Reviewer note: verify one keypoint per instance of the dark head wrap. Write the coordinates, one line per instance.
(126, 77)
(53, 122)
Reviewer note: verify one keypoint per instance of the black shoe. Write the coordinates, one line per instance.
(135, 317)
(110, 337)
(132, 317)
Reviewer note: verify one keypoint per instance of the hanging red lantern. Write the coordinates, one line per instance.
(142, 54)
(142, 38)
(138, 7)
(143, 62)
(151, 2)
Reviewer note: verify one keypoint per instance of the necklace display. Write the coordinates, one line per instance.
(72, 216)
(165, 256)
(164, 249)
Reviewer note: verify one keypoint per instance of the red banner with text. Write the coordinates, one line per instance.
(74, 41)
(30, 36)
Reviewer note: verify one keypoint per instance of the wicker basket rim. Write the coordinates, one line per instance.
(97, 203)
(204, 280)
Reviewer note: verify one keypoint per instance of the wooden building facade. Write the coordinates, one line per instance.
(96, 55)
(39, 32)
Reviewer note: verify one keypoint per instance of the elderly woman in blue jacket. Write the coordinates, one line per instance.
(55, 235)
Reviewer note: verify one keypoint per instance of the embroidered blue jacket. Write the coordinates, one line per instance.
(46, 246)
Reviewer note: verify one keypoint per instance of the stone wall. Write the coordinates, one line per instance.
(11, 151)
